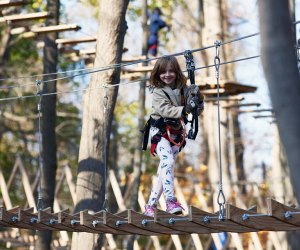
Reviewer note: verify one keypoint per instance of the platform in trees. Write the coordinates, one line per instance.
(226, 88)
(279, 217)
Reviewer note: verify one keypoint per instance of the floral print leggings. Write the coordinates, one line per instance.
(164, 181)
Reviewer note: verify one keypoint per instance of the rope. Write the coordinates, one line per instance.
(105, 102)
(119, 84)
(98, 69)
(39, 204)
(221, 197)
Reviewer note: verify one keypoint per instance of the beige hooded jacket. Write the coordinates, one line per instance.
(162, 106)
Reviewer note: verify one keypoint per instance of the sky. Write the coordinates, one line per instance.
(257, 133)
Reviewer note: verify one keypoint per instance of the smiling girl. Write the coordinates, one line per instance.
(170, 106)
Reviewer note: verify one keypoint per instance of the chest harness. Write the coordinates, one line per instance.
(168, 128)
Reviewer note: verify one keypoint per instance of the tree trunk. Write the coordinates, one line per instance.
(91, 177)
(138, 158)
(211, 32)
(138, 154)
(281, 184)
(49, 122)
(201, 21)
(279, 63)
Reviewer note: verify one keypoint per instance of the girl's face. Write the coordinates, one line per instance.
(168, 76)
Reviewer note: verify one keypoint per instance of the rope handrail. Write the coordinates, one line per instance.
(97, 69)
(103, 68)
(119, 84)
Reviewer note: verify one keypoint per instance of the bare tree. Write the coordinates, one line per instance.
(91, 169)
(279, 63)
(49, 122)
(138, 154)
(212, 31)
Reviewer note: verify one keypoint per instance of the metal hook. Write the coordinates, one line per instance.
(217, 46)
(105, 203)
(39, 204)
(221, 203)
(217, 58)
(105, 101)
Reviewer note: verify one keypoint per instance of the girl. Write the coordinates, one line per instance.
(171, 102)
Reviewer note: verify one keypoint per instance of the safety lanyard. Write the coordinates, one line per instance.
(190, 66)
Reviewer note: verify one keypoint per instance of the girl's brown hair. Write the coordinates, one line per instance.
(160, 67)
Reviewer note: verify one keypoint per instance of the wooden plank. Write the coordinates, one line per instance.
(123, 214)
(238, 105)
(258, 222)
(47, 218)
(4, 191)
(55, 28)
(148, 223)
(226, 225)
(181, 197)
(24, 17)
(31, 220)
(112, 220)
(87, 220)
(71, 185)
(116, 189)
(26, 184)
(75, 40)
(180, 223)
(13, 172)
(72, 222)
(9, 3)
(10, 218)
(279, 210)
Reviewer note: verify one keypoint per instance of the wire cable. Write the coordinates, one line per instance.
(94, 70)
(115, 85)
(221, 197)
(39, 204)
(103, 68)
(105, 103)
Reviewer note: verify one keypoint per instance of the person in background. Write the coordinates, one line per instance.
(172, 101)
(156, 23)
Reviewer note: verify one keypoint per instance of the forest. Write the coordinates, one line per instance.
(76, 92)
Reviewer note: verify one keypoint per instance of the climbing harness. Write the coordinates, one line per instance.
(221, 197)
(167, 127)
(190, 66)
(105, 103)
(39, 204)
(182, 132)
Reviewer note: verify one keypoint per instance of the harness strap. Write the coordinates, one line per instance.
(183, 132)
(182, 102)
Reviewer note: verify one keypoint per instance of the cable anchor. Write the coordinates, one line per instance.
(221, 197)
(39, 204)
(105, 104)
(221, 202)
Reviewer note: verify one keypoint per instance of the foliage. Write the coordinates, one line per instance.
(37, 5)
(19, 124)
(91, 2)
(22, 52)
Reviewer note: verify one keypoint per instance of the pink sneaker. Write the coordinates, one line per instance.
(174, 207)
(149, 210)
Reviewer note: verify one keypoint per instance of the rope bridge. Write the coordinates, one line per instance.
(279, 217)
